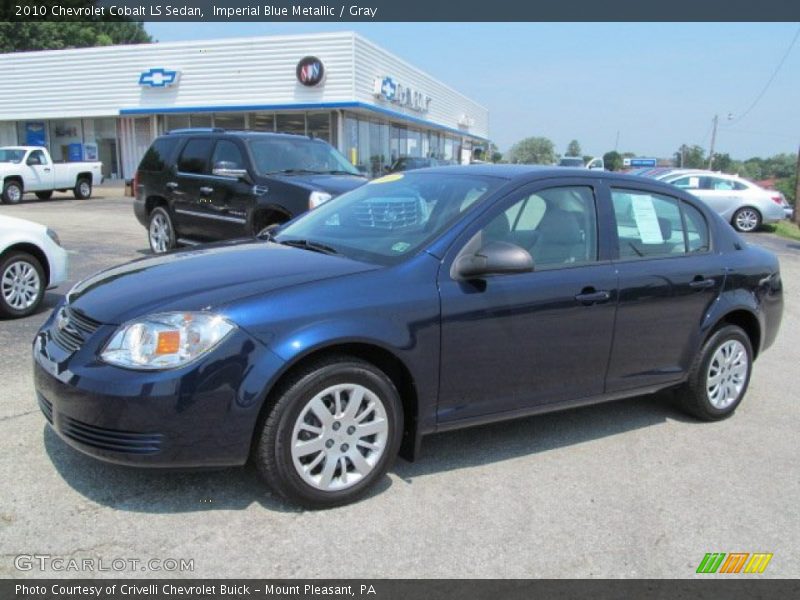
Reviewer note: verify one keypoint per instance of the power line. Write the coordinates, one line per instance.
(769, 81)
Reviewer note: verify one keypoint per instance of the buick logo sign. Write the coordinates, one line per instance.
(310, 71)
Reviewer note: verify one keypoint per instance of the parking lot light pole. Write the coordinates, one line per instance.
(797, 188)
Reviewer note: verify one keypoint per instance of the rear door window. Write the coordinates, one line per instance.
(194, 157)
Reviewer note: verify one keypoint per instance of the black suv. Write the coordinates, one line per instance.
(204, 185)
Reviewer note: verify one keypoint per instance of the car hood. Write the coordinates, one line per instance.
(333, 184)
(202, 279)
(20, 225)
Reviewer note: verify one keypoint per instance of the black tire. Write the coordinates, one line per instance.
(273, 451)
(12, 260)
(12, 192)
(694, 396)
(749, 224)
(160, 221)
(44, 195)
(82, 189)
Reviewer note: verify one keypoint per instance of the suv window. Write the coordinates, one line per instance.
(157, 156)
(194, 157)
(228, 152)
(652, 225)
(558, 226)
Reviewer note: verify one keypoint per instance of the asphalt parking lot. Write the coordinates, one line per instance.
(628, 489)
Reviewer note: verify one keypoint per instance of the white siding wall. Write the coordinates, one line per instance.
(233, 72)
(447, 105)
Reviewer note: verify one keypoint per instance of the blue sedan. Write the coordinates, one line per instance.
(421, 302)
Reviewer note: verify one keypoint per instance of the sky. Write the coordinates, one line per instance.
(645, 88)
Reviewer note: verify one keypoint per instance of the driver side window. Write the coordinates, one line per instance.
(557, 226)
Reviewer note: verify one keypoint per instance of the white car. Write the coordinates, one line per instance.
(31, 169)
(740, 202)
(31, 260)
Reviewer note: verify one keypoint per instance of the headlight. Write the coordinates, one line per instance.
(317, 198)
(53, 236)
(165, 341)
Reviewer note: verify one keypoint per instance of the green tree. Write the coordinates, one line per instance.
(574, 148)
(533, 150)
(613, 161)
(691, 157)
(23, 36)
(723, 162)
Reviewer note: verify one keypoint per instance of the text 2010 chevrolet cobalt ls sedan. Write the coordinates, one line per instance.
(420, 302)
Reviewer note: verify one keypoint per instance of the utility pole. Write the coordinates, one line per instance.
(713, 141)
(616, 142)
(797, 189)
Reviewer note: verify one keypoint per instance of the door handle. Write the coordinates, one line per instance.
(206, 190)
(172, 185)
(701, 284)
(589, 296)
(46, 169)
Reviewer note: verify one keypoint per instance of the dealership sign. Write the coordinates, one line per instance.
(310, 71)
(388, 89)
(159, 78)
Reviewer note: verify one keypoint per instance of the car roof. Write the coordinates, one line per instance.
(205, 131)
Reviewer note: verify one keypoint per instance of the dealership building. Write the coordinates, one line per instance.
(109, 103)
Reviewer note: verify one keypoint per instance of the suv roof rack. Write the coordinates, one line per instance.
(197, 130)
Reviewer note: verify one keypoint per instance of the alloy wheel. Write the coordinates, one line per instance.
(84, 189)
(14, 194)
(339, 437)
(727, 374)
(21, 285)
(159, 234)
(747, 219)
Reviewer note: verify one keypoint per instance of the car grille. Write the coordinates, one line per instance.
(72, 328)
(109, 439)
(47, 408)
(388, 214)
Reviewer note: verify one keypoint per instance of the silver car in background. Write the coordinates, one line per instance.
(742, 203)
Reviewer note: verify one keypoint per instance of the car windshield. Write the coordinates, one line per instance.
(390, 218)
(287, 155)
(11, 155)
(569, 161)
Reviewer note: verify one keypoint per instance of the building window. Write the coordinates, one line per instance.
(66, 140)
(291, 123)
(201, 120)
(229, 120)
(319, 125)
(262, 121)
(176, 122)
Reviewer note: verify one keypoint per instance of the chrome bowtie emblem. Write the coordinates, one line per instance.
(62, 320)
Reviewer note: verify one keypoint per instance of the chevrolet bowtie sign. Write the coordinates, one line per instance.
(159, 78)
(388, 89)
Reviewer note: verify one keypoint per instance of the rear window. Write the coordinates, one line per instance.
(157, 156)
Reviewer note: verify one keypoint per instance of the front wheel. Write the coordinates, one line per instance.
(22, 284)
(720, 375)
(332, 434)
(160, 232)
(83, 189)
(746, 219)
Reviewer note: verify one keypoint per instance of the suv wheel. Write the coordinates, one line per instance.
(333, 432)
(83, 189)
(22, 284)
(720, 375)
(746, 219)
(160, 232)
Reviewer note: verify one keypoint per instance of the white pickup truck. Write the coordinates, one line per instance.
(30, 169)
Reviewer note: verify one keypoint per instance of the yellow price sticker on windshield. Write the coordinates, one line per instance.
(388, 178)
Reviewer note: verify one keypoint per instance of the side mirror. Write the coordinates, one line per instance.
(226, 168)
(495, 258)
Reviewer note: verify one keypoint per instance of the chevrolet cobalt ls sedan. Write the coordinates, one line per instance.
(421, 302)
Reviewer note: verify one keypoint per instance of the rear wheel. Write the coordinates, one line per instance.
(83, 189)
(160, 232)
(746, 219)
(44, 195)
(12, 192)
(22, 284)
(720, 375)
(332, 434)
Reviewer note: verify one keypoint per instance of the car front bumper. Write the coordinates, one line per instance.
(202, 415)
(58, 259)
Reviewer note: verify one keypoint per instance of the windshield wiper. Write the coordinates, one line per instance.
(341, 172)
(309, 245)
(291, 171)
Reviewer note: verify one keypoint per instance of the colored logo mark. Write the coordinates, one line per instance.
(734, 562)
(310, 71)
(158, 78)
